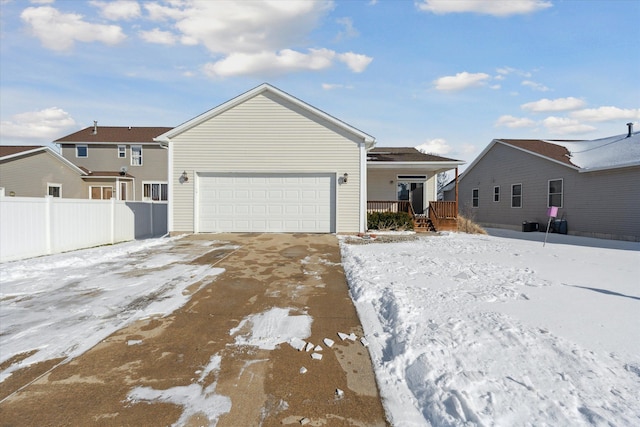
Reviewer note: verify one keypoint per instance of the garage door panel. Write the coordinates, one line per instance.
(267, 202)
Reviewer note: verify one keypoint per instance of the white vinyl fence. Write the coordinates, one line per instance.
(34, 226)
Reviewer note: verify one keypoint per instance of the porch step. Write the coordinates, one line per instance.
(422, 224)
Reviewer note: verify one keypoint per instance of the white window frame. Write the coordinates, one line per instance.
(122, 151)
(518, 195)
(496, 194)
(54, 185)
(475, 197)
(136, 160)
(86, 148)
(101, 187)
(151, 184)
(561, 193)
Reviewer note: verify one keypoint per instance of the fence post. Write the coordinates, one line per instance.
(47, 223)
(113, 220)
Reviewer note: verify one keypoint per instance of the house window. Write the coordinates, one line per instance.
(101, 192)
(54, 190)
(136, 155)
(555, 193)
(475, 202)
(516, 196)
(496, 194)
(82, 151)
(122, 151)
(154, 191)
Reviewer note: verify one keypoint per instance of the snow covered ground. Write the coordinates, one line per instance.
(62, 305)
(499, 330)
(462, 329)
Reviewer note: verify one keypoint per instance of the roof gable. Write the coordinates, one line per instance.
(114, 135)
(15, 152)
(265, 87)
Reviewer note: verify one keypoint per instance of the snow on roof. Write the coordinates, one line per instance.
(606, 153)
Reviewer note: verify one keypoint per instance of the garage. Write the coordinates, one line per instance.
(268, 202)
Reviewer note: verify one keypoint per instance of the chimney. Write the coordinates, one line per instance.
(630, 126)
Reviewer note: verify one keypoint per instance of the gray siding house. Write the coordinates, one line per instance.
(121, 162)
(38, 171)
(594, 185)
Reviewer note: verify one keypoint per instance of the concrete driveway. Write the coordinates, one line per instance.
(205, 364)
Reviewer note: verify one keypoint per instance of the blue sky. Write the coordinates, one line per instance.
(446, 75)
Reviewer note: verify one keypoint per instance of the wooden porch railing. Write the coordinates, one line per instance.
(444, 215)
(390, 206)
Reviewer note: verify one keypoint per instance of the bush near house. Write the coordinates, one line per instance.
(397, 221)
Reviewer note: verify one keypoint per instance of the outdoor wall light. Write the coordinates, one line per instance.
(345, 177)
(184, 177)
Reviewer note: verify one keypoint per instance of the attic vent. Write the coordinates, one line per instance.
(630, 126)
(95, 127)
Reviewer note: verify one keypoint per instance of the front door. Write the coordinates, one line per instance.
(412, 191)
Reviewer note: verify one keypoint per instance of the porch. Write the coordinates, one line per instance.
(440, 215)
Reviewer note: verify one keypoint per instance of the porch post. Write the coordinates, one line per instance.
(456, 192)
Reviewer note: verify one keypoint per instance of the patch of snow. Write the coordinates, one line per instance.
(484, 330)
(64, 304)
(271, 328)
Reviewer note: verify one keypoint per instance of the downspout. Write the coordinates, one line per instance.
(363, 188)
(456, 193)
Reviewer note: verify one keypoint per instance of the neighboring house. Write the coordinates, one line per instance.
(38, 171)
(593, 183)
(120, 162)
(266, 161)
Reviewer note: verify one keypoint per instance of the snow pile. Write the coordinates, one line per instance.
(62, 305)
(271, 328)
(481, 330)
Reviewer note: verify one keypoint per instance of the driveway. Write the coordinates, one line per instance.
(234, 355)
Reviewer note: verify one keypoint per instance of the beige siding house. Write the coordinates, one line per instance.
(37, 171)
(594, 185)
(120, 162)
(266, 161)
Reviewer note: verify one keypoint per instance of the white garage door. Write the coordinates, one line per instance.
(267, 203)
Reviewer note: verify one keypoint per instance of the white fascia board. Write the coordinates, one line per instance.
(608, 168)
(23, 153)
(265, 87)
(108, 143)
(108, 177)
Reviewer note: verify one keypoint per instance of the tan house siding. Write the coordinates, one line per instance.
(266, 134)
(598, 204)
(104, 157)
(18, 175)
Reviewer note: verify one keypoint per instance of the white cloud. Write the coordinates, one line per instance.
(495, 87)
(565, 126)
(486, 7)
(331, 86)
(349, 30)
(437, 146)
(461, 81)
(286, 60)
(514, 122)
(44, 125)
(535, 86)
(59, 31)
(356, 62)
(158, 36)
(559, 104)
(604, 114)
(119, 9)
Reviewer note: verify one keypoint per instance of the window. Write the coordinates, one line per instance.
(82, 151)
(156, 191)
(122, 151)
(474, 197)
(101, 192)
(555, 193)
(496, 194)
(516, 196)
(136, 155)
(54, 190)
